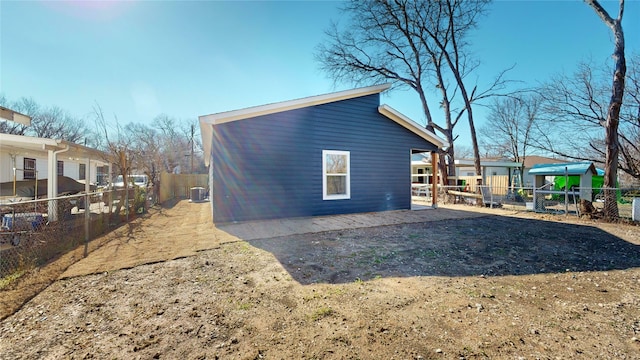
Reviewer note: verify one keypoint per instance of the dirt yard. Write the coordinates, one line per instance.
(451, 283)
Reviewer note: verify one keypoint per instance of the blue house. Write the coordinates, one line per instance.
(335, 153)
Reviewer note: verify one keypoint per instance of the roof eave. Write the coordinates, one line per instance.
(206, 132)
(557, 169)
(207, 121)
(12, 115)
(44, 144)
(255, 111)
(412, 126)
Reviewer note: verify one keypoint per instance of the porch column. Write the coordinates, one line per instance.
(434, 179)
(52, 184)
(87, 175)
(87, 204)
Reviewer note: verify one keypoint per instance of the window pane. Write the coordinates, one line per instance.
(336, 185)
(82, 171)
(336, 174)
(29, 167)
(336, 164)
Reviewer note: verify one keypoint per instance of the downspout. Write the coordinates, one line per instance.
(52, 184)
(13, 160)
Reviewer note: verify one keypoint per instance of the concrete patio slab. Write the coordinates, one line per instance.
(262, 229)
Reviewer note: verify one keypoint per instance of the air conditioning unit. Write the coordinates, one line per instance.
(197, 194)
(635, 209)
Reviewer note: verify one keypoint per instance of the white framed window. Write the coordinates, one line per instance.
(336, 173)
(29, 168)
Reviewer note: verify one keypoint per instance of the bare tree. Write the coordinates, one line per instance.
(24, 106)
(414, 44)
(56, 123)
(147, 153)
(116, 143)
(629, 132)
(574, 114)
(615, 103)
(509, 128)
(10, 127)
(449, 37)
(464, 152)
(46, 122)
(191, 131)
(173, 140)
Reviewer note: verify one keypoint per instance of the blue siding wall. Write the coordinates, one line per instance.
(271, 166)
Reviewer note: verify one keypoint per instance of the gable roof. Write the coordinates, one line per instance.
(208, 121)
(574, 168)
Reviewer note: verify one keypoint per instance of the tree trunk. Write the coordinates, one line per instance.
(611, 129)
(613, 116)
(474, 142)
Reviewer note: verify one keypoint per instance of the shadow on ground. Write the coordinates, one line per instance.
(487, 245)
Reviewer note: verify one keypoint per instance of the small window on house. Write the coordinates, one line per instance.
(29, 168)
(82, 172)
(336, 183)
(60, 168)
(102, 175)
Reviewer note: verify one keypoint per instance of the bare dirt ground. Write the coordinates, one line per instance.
(495, 284)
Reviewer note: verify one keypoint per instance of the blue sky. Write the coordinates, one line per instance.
(138, 59)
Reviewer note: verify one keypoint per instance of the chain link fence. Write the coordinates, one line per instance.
(542, 200)
(35, 232)
(598, 201)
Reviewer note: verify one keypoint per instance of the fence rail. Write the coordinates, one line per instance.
(37, 231)
(543, 200)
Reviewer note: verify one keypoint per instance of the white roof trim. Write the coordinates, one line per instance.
(412, 126)
(228, 116)
(488, 163)
(207, 121)
(12, 142)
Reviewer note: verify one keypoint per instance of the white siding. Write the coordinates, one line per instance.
(71, 167)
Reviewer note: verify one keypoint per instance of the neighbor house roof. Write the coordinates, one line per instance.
(572, 168)
(207, 121)
(25, 145)
(532, 160)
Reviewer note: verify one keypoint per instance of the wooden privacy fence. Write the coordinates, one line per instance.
(499, 183)
(178, 185)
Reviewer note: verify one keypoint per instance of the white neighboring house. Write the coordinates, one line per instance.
(30, 158)
(421, 164)
(490, 167)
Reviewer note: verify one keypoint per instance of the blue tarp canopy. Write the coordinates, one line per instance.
(573, 168)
